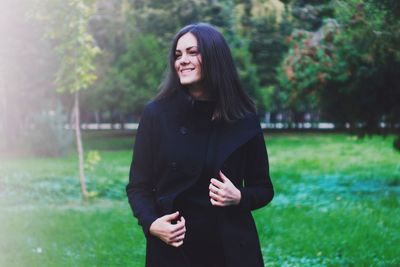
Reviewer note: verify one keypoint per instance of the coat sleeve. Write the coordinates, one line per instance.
(140, 187)
(257, 190)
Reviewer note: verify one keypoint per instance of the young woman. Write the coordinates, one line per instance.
(200, 164)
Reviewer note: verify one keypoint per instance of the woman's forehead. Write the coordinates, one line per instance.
(186, 41)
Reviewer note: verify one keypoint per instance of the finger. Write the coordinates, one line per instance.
(216, 203)
(223, 177)
(177, 227)
(217, 183)
(172, 216)
(213, 188)
(177, 234)
(177, 244)
(216, 197)
(180, 223)
(181, 220)
(178, 238)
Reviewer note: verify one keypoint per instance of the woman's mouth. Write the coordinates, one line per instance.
(183, 71)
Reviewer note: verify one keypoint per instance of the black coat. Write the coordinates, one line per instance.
(168, 155)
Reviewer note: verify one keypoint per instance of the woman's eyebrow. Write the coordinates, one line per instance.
(188, 48)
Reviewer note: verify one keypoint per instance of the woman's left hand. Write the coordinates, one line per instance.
(223, 193)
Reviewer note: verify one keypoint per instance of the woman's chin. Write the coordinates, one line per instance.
(187, 81)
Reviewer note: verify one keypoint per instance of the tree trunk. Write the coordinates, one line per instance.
(79, 147)
(122, 120)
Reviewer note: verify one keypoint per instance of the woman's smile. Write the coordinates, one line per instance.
(186, 70)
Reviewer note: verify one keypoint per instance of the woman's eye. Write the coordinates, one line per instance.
(194, 53)
(177, 56)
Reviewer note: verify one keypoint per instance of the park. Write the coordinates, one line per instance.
(76, 75)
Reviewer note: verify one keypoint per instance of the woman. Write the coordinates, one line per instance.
(200, 164)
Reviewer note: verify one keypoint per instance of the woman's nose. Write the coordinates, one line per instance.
(185, 59)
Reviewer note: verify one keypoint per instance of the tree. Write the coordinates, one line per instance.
(230, 25)
(348, 68)
(134, 79)
(368, 44)
(267, 35)
(67, 25)
(307, 66)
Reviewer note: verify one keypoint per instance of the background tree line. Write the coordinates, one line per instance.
(301, 60)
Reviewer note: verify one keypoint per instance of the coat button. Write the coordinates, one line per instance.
(183, 130)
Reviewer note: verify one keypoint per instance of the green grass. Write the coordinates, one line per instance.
(98, 234)
(337, 204)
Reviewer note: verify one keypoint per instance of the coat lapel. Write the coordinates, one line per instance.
(232, 136)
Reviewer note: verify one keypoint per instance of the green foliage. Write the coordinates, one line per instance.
(348, 68)
(267, 96)
(92, 159)
(246, 68)
(368, 45)
(67, 24)
(309, 63)
(239, 44)
(164, 18)
(267, 45)
(133, 79)
(309, 14)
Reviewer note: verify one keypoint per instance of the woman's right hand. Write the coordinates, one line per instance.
(171, 234)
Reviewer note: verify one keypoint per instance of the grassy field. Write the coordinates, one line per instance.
(337, 204)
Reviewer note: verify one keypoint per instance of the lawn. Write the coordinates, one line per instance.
(336, 204)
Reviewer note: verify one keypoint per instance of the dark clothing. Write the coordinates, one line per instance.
(202, 245)
(197, 197)
(177, 150)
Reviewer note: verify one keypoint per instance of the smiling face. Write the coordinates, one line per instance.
(188, 61)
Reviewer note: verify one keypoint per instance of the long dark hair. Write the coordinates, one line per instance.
(219, 74)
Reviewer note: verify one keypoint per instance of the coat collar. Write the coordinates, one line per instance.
(188, 109)
(187, 101)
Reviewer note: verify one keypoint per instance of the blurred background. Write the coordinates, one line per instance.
(76, 74)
